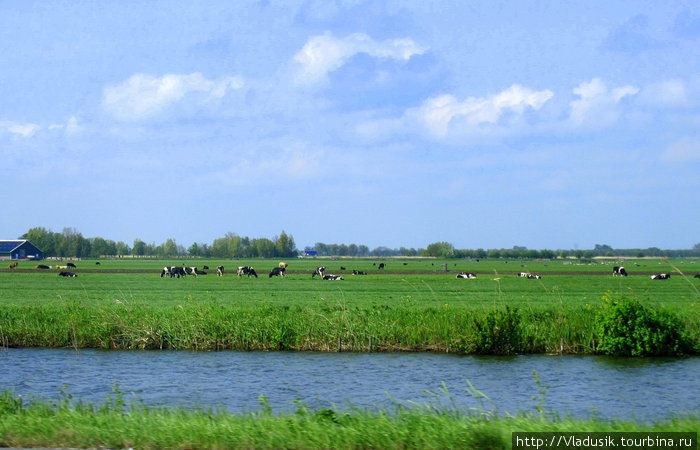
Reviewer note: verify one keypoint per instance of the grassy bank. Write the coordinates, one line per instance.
(116, 425)
(196, 325)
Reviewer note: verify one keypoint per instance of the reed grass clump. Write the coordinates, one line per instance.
(202, 325)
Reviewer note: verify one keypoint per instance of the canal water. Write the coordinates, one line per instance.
(576, 386)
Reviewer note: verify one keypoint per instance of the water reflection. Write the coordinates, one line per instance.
(579, 386)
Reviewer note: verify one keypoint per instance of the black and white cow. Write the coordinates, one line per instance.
(358, 272)
(246, 270)
(173, 272)
(192, 271)
(381, 266)
(529, 275)
(330, 276)
(277, 272)
(466, 275)
(220, 271)
(619, 271)
(71, 265)
(661, 276)
(319, 271)
(67, 274)
(697, 275)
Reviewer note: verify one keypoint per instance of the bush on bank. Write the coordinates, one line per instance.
(627, 328)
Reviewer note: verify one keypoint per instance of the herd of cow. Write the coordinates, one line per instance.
(280, 271)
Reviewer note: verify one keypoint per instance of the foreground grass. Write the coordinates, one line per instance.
(116, 425)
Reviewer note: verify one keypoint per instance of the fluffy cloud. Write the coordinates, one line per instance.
(596, 104)
(437, 113)
(22, 129)
(145, 95)
(326, 53)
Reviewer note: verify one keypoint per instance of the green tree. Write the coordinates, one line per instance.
(122, 248)
(43, 239)
(139, 248)
(440, 250)
(286, 248)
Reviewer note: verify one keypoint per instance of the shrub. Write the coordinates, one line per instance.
(625, 327)
(496, 333)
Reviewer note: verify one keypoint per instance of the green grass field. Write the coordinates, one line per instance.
(413, 304)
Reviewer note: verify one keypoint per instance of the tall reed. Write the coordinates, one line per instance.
(197, 325)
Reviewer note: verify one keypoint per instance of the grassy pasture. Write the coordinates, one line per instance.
(417, 306)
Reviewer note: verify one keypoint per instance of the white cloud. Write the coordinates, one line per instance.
(683, 150)
(144, 95)
(326, 53)
(436, 113)
(71, 127)
(23, 129)
(596, 104)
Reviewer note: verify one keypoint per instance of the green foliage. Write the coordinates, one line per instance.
(625, 327)
(496, 333)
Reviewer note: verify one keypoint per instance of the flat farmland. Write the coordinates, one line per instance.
(410, 305)
(409, 282)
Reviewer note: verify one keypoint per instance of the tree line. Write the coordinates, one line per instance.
(70, 244)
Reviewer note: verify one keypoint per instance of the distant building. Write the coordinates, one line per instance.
(19, 249)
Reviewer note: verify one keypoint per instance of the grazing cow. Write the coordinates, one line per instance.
(41, 266)
(71, 265)
(246, 270)
(97, 263)
(319, 271)
(277, 272)
(469, 275)
(13, 265)
(191, 271)
(343, 268)
(661, 276)
(358, 272)
(529, 275)
(178, 272)
(205, 267)
(697, 275)
(173, 271)
(330, 276)
(619, 271)
(67, 274)
(381, 266)
(220, 271)
(283, 265)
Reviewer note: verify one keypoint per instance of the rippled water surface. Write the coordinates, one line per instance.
(575, 385)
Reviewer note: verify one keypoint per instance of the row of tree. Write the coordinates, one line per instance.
(71, 243)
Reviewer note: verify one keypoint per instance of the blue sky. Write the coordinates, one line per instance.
(550, 124)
